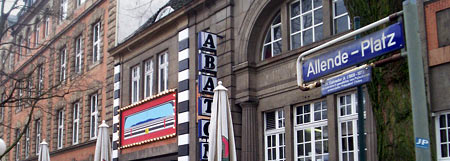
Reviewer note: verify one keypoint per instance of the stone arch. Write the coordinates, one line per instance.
(255, 22)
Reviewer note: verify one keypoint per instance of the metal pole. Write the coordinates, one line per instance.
(361, 136)
(417, 82)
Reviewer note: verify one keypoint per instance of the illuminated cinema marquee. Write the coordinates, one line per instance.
(149, 120)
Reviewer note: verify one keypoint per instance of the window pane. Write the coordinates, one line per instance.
(295, 9)
(317, 3)
(295, 25)
(276, 33)
(308, 149)
(268, 38)
(276, 48)
(318, 17)
(340, 7)
(306, 5)
(300, 136)
(307, 20)
(307, 37)
(341, 24)
(442, 121)
(307, 135)
(444, 150)
(296, 41)
(267, 53)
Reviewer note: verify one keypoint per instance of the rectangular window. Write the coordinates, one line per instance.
(94, 117)
(40, 79)
(96, 42)
(60, 129)
(30, 87)
(347, 127)
(135, 84)
(148, 78)
(38, 135)
(47, 25)
(20, 49)
(28, 45)
(17, 154)
(36, 34)
(20, 97)
(76, 120)
(79, 2)
(63, 10)
(311, 132)
(163, 72)
(341, 19)
(442, 123)
(11, 61)
(78, 54)
(63, 60)
(2, 108)
(275, 142)
(27, 143)
(306, 17)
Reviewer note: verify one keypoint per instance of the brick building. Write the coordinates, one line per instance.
(59, 58)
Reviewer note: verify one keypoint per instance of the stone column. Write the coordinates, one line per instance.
(249, 131)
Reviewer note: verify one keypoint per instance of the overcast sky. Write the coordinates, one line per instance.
(9, 3)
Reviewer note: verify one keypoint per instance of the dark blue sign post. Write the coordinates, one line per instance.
(358, 51)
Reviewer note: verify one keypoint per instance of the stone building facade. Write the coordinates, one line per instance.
(257, 46)
(61, 50)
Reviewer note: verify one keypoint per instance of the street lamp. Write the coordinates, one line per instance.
(2, 146)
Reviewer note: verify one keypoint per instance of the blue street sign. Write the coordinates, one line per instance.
(358, 51)
(422, 143)
(347, 80)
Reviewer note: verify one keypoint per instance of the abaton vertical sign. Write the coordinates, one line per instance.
(207, 81)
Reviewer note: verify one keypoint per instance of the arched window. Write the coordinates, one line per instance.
(272, 41)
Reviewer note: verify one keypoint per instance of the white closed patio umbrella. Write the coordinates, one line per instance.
(221, 135)
(103, 146)
(44, 154)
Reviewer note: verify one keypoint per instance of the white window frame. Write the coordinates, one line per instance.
(40, 78)
(38, 136)
(339, 16)
(20, 94)
(60, 141)
(20, 49)
(96, 42)
(63, 64)
(135, 83)
(46, 27)
(17, 152)
(302, 29)
(348, 118)
(80, 2)
(164, 74)
(78, 54)
(272, 40)
(311, 125)
(27, 143)
(2, 108)
(93, 120)
(279, 130)
(438, 136)
(76, 122)
(63, 10)
(36, 34)
(148, 78)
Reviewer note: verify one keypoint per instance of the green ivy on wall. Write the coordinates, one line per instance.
(389, 91)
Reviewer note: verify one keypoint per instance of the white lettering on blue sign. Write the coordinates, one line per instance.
(347, 80)
(204, 106)
(358, 51)
(207, 63)
(203, 128)
(207, 84)
(204, 150)
(207, 41)
(422, 143)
